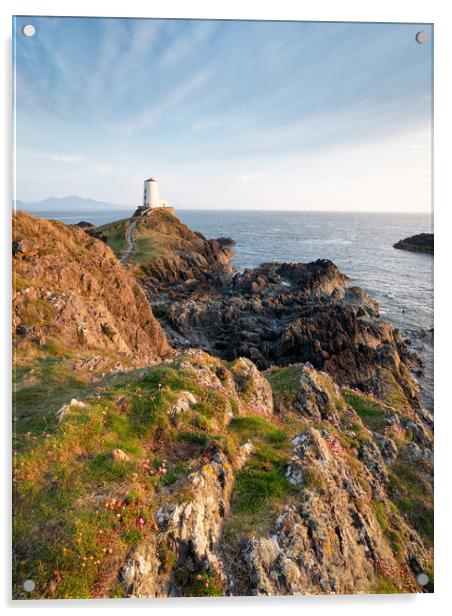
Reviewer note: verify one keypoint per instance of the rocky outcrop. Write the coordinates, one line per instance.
(339, 533)
(331, 541)
(280, 314)
(186, 545)
(423, 242)
(71, 290)
(178, 255)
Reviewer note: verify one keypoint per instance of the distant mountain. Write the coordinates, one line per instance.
(72, 203)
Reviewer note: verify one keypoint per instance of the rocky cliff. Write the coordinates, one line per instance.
(70, 291)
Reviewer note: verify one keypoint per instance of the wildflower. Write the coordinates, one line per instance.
(140, 523)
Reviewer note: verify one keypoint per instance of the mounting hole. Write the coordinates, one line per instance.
(29, 586)
(28, 30)
(423, 579)
(421, 37)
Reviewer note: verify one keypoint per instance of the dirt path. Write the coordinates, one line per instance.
(129, 240)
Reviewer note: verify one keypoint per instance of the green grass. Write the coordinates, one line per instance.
(386, 586)
(262, 482)
(145, 249)
(206, 585)
(256, 427)
(255, 489)
(284, 381)
(59, 518)
(396, 397)
(412, 493)
(116, 234)
(54, 384)
(66, 478)
(369, 410)
(394, 536)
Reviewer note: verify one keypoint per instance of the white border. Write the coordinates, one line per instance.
(427, 11)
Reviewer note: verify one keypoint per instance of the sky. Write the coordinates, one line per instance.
(225, 114)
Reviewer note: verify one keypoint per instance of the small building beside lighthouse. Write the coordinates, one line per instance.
(151, 199)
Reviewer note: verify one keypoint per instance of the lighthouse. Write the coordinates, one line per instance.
(151, 194)
(151, 199)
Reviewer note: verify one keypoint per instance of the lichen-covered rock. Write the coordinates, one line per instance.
(372, 458)
(317, 396)
(251, 382)
(185, 401)
(387, 447)
(189, 530)
(73, 404)
(331, 541)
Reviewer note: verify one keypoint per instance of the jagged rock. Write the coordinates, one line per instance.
(119, 455)
(372, 458)
(387, 447)
(185, 401)
(316, 395)
(248, 379)
(281, 314)
(64, 410)
(190, 530)
(331, 542)
(85, 225)
(416, 453)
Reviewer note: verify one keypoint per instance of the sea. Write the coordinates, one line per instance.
(360, 244)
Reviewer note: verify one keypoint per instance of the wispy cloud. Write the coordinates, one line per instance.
(100, 168)
(260, 173)
(62, 158)
(180, 94)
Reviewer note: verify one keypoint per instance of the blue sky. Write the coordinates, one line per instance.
(247, 115)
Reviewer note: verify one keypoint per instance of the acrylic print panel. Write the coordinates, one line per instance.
(247, 415)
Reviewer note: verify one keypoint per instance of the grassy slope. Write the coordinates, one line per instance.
(77, 508)
(148, 242)
(116, 234)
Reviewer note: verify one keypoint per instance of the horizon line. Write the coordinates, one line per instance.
(188, 209)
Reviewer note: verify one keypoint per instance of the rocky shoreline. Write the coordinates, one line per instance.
(276, 315)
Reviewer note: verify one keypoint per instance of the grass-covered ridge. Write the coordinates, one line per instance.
(160, 234)
(116, 234)
(79, 507)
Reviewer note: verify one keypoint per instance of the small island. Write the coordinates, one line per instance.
(423, 242)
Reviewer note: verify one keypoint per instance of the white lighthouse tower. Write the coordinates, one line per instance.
(151, 199)
(151, 194)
